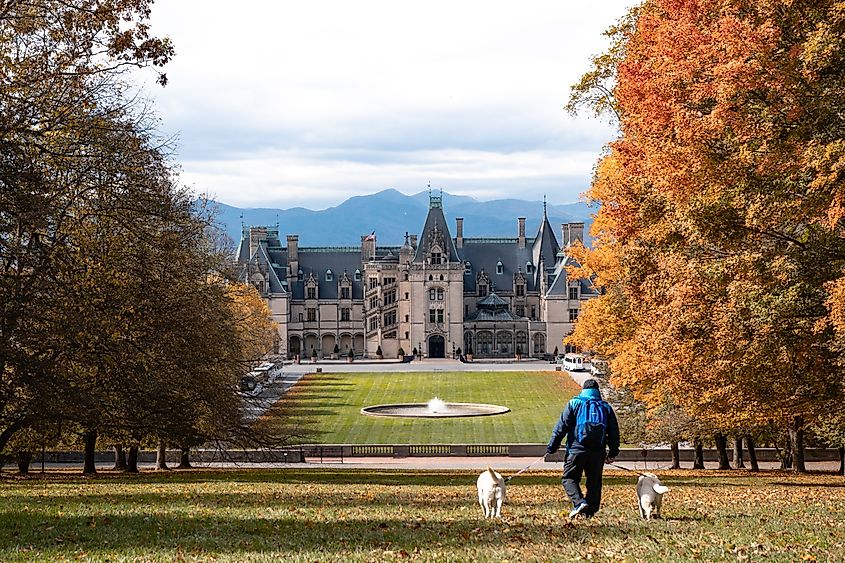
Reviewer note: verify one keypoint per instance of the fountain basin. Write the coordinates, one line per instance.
(423, 410)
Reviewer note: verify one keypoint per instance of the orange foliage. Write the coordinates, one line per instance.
(719, 238)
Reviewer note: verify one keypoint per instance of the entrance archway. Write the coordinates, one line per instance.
(436, 347)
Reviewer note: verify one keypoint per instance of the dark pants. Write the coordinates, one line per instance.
(590, 463)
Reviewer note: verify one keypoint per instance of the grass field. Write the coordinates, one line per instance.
(360, 515)
(329, 406)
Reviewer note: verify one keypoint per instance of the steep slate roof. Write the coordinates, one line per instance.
(263, 257)
(318, 261)
(436, 220)
(558, 284)
(484, 254)
(546, 244)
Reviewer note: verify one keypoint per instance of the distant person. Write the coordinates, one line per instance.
(592, 437)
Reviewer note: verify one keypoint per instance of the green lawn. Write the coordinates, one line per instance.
(360, 515)
(328, 406)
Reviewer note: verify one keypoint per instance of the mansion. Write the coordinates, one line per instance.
(492, 297)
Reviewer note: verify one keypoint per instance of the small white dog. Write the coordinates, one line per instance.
(650, 493)
(491, 493)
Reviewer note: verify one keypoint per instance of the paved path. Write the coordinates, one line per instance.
(434, 365)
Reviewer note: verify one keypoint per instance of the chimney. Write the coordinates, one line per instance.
(257, 235)
(368, 247)
(564, 235)
(459, 232)
(293, 248)
(521, 240)
(576, 233)
(414, 242)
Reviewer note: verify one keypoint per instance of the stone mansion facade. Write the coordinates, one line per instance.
(436, 293)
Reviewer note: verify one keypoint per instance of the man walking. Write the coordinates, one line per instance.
(592, 436)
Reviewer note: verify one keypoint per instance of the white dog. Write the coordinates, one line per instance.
(650, 493)
(491, 493)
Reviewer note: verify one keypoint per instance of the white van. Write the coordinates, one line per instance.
(575, 362)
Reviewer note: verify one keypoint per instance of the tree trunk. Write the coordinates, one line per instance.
(676, 456)
(132, 460)
(752, 452)
(24, 459)
(796, 437)
(184, 459)
(90, 439)
(738, 462)
(161, 463)
(722, 449)
(119, 458)
(698, 462)
(842, 461)
(786, 456)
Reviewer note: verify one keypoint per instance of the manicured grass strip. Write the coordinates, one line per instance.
(363, 515)
(326, 407)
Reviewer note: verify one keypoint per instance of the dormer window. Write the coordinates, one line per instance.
(357, 275)
(482, 289)
(329, 275)
(529, 267)
(311, 292)
(500, 269)
(299, 275)
(467, 267)
(436, 255)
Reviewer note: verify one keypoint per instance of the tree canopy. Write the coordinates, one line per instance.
(719, 237)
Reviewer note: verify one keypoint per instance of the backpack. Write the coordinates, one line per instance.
(591, 424)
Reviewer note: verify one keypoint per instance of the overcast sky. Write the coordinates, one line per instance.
(306, 103)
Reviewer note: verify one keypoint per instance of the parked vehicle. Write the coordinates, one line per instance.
(575, 362)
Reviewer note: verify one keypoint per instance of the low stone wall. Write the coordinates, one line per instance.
(334, 452)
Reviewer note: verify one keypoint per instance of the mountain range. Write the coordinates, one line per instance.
(390, 213)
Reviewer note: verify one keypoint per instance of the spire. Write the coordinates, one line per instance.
(545, 216)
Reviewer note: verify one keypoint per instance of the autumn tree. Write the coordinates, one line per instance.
(719, 237)
(60, 87)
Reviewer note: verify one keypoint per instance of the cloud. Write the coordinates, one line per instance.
(319, 179)
(307, 103)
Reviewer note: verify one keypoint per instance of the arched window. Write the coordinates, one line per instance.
(484, 343)
(539, 343)
(522, 341)
(467, 267)
(500, 268)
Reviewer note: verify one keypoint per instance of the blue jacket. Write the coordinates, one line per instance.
(566, 426)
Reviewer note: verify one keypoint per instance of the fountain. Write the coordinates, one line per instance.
(435, 408)
(437, 405)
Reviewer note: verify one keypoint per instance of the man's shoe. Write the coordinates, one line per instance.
(579, 509)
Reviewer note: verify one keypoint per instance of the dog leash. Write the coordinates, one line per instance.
(632, 470)
(535, 462)
(624, 468)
